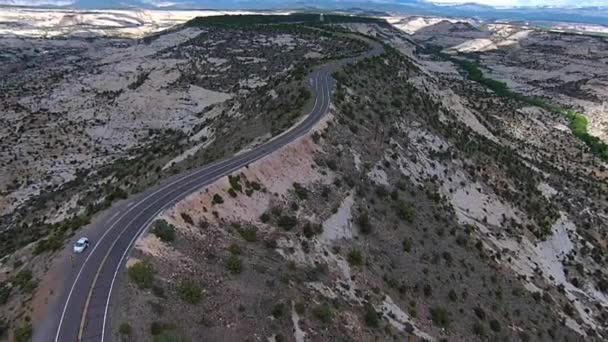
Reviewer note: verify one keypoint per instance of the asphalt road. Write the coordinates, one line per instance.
(80, 309)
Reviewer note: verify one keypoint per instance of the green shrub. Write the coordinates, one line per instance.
(217, 199)
(5, 292)
(287, 222)
(495, 325)
(300, 307)
(234, 265)
(248, 234)
(189, 291)
(405, 211)
(125, 329)
(3, 328)
(278, 310)
(165, 333)
(452, 296)
(232, 193)
(371, 316)
(323, 312)
(234, 249)
(235, 183)
(440, 317)
(25, 281)
(163, 230)
(142, 274)
(365, 227)
(54, 242)
(187, 218)
(311, 230)
(264, 217)
(478, 329)
(300, 191)
(24, 332)
(407, 245)
(355, 258)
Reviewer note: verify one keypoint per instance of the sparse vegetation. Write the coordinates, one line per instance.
(440, 316)
(189, 291)
(287, 222)
(323, 313)
(355, 258)
(217, 199)
(163, 230)
(24, 332)
(248, 234)
(142, 274)
(234, 264)
(125, 329)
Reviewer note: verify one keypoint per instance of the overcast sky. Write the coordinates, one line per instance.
(555, 3)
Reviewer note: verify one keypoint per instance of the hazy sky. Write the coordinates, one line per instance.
(555, 3)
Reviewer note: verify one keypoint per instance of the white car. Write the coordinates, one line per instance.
(81, 245)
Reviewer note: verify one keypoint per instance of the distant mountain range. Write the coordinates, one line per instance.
(591, 15)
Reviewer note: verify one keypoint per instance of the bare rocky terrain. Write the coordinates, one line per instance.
(424, 206)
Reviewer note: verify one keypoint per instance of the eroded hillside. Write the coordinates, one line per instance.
(424, 206)
(88, 122)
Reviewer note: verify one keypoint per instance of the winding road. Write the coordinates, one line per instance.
(80, 309)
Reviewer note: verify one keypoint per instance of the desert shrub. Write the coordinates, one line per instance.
(440, 316)
(405, 211)
(125, 329)
(381, 191)
(287, 222)
(264, 217)
(5, 292)
(300, 307)
(371, 316)
(249, 234)
(232, 193)
(163, 230)
(3, 328)
(25, 281)
(478, 329)
(234, 249)
(255, 186)
(479, 313)
(187, 218)
(235, 183)
(278, 310)
(142, 274)
(495, 325)
(323, 312)
(452, 295)
(189, 291)
(165, 333)
(54, 242)
(234, 264)
(311, 230)
(427, 290)
(203, 224)
(365, 227)
(355, 258)
(24, 332)
(217, 199)
(407, 245)
(300, 191)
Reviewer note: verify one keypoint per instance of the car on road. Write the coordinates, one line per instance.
(81, 245)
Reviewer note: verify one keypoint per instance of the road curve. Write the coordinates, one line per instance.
(80, 311)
